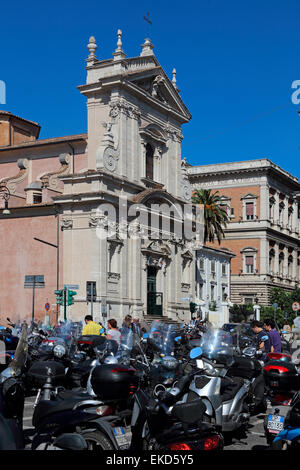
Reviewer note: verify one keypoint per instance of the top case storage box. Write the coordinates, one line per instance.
(113, 381)
(90, 341)
(245, 367)
(281, 375)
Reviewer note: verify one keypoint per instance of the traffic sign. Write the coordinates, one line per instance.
(47, 306)
(275, 305)
(295, 306)
(72, 286)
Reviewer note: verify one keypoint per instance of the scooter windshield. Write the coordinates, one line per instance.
(20, 356)
(125, 346)
(217, 346)
(162, 337)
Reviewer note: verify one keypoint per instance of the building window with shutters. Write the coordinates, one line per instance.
(225, 204)
(249, 261)
(249, 207)
(249, 255)
(224, 269)
(249, 210)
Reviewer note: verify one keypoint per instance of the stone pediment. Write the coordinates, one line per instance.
(157, 85)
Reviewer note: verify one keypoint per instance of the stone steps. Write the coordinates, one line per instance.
(164, 319)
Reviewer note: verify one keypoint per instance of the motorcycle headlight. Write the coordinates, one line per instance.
(249, 351)
(59, 350)
(169, 362)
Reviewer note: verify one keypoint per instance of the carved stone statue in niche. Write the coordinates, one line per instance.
(156, 91)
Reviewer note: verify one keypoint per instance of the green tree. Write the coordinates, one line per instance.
(239, 313)
(215, 218)
(284, 300)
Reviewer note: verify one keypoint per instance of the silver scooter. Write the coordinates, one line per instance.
(225, 397)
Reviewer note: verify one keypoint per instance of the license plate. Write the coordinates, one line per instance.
(275, 423)
(123, 437)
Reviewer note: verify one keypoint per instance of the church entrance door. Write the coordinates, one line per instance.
(154, 298)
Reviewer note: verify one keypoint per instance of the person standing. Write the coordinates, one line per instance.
(136, 327)
(264, 341)
(113, 331)
(127, 325)
(269, 326)
(91, 327)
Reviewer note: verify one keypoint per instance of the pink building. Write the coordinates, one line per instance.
(30, 170)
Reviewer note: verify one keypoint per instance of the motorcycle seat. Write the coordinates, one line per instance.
(65, 401)
(229, 387)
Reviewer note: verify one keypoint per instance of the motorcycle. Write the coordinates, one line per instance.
(12, 396)
(109, 415)
(9, 340)
(225, 382)
(282, 379)
(288, 438)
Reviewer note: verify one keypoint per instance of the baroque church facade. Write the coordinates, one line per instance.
(126, 217)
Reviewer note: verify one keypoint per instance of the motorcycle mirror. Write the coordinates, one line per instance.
(283, 332)
(70, 441)
(102, 330)
(195, 352)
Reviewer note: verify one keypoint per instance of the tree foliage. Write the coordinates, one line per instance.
(215, 218)
(239, 313)
(282, 314)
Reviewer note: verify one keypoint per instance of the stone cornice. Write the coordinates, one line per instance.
(263, 166)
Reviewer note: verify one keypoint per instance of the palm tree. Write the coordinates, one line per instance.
(215, 218)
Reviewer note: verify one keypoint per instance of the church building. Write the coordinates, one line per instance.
(113, 204)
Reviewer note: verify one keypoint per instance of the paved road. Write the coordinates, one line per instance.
(253, 440)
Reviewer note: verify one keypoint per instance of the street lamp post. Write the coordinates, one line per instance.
(5, 195)
(57, 254)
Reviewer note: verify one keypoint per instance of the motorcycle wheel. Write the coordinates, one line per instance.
(279, 445)
(96, 440)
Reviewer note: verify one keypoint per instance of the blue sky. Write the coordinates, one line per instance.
(235, 65)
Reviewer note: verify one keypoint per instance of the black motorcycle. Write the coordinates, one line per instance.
(12, 397)
(110, 414)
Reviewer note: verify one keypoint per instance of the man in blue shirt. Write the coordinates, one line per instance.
(264, 341)
(269, 326)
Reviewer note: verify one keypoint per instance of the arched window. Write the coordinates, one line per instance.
(271, 261)
(281, 263)
(149, 162)
(290, 266)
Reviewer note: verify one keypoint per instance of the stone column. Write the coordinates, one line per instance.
(276, 258)
(285, 264)
(295, 216)
(285, 212)
(276, 208)
(264, 202)
(264, 256)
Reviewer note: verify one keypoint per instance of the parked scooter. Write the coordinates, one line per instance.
(111, 414)
(225, 382)
(12, 396)
(282, 379)
(289, 436)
